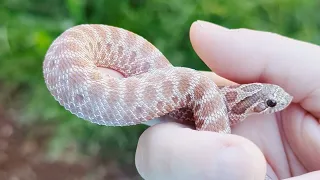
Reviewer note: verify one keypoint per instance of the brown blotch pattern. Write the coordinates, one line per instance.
(131, 87)
(234, 119)
(199, 92)
(243, 105)
(182, 114)
(231, 96)
(167, 88)
(188, 99)
(184, 84)
(120, 51)
(150, 94)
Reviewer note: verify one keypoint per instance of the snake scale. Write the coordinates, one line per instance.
(151, 87)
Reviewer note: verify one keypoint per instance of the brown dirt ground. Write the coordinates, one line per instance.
(23, 158)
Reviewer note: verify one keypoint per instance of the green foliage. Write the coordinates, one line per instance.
(28, 27)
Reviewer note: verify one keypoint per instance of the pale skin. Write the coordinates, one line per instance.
(284, 145)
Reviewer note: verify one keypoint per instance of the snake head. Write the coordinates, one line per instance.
(273, 99)
(256, 98)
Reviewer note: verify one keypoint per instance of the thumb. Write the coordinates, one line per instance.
(245, 56)
(172, 151)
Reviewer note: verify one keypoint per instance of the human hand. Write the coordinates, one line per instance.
(286, 144)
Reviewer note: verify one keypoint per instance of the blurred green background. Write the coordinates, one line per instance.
(27, 27)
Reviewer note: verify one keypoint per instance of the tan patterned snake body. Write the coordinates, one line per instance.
(152, 87)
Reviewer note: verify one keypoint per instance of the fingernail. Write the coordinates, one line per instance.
(206, 25)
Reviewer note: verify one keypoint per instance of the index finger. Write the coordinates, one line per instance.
(246, 56)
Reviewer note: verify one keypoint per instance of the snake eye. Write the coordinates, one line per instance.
(271, 103)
